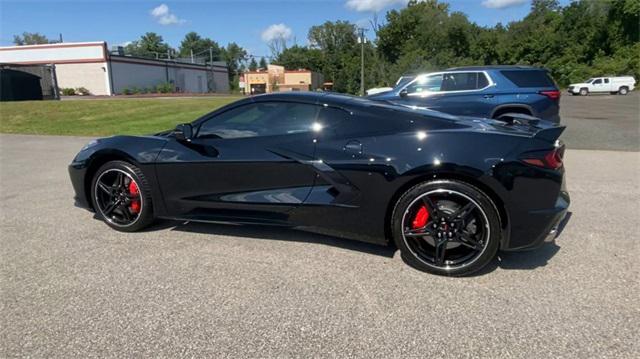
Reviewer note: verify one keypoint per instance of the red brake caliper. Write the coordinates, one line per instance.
(421, 218)
(134, 191)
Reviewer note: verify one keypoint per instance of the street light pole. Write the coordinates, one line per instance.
(361, 40)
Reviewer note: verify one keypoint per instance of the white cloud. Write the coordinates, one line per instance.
(502, 4)
(164, 16)
(371, 5)
(277, 31)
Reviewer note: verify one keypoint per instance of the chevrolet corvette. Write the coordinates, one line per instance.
(447, 191)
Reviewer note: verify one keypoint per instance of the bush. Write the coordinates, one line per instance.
(165, 87)
(83, 91)
(126, 91)
(135, 90)
(68, 92)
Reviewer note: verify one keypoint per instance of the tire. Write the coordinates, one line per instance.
(444, 195)
(623, 90)
(584, 92)
(121, 214)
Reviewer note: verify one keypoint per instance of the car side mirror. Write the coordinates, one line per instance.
(404, 93)
(183, 132)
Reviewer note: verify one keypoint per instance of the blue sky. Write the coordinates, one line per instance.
(247, 22)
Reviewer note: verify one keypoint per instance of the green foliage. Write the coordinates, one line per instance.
(298, 57)
(200, 46)
(68, 91)
(253, 65)
(149, 45)
(263, 63)
(234, 56)
(83, 91)
(165, 87)
(583, 39)
(126, 91)
(30, 38)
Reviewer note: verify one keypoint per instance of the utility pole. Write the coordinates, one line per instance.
(191, 55)
(362, 40)
(211, 56)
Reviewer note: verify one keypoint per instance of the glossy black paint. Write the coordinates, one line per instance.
(345, 178)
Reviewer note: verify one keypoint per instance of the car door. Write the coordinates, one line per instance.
(246, 164)
(458, 93)
(598, 85)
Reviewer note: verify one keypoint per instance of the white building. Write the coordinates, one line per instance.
(90, 65)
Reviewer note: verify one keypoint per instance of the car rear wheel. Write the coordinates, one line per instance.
(446, 227)
(121, 196)
(623, 90)
(584, 92)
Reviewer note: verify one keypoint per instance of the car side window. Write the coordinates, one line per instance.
(261, 119)
(606, 81)
(597, 82)
(464, 81)
(427, 83)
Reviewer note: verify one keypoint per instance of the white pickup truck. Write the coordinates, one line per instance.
(620, 85)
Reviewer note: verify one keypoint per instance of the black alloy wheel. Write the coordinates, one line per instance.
(446, 227)
(121, 197)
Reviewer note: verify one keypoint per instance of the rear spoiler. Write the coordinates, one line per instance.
(543, 130)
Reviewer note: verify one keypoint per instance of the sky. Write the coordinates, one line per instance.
(249, 23)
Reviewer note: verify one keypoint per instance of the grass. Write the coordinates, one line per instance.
(104, 117)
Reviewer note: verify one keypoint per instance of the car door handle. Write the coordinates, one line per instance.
(353, 146)
(488, 96)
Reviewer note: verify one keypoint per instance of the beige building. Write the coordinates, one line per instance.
(276, 78)
(90, 65)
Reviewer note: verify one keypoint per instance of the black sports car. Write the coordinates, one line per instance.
(449, 191)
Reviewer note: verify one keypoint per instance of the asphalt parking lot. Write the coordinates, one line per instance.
(602, 122)
(70, 287)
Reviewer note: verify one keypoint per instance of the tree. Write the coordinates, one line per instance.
(30, 38)
(200, 47)
(298, 57)
(337, 43)
(149, 45)
(253, 65)
(234, 56)
(263, 63)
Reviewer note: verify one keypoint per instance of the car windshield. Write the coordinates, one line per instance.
(589, 81)
(403, 80)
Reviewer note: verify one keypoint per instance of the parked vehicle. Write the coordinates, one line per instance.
(448, 191)
(620, 85)
(484, 91)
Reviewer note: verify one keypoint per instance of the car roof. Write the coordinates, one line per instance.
(495, 67)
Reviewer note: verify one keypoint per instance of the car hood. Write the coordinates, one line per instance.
(383, 96)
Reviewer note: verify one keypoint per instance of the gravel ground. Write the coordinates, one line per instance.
(71, 287)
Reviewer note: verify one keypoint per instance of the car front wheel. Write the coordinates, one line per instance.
(121, 196)
(446, 227)
(584, 92)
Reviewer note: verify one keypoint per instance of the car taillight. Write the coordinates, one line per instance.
(554, 95)
(551, 160)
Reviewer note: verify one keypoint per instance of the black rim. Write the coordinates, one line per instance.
(455, 234)
(116, 200)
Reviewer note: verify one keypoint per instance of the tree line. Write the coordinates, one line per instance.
(583, 39)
